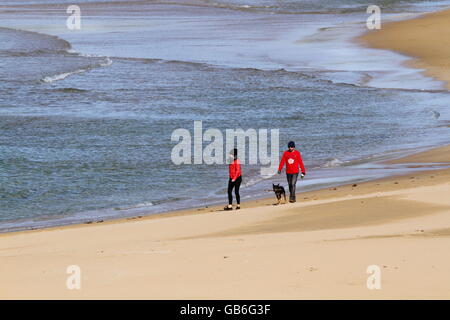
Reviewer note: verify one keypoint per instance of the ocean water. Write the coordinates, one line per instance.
(86, 116)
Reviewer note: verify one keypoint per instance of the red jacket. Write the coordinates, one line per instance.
(293, 160)
(235, 169)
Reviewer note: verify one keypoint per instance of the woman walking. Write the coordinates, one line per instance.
(234, 181)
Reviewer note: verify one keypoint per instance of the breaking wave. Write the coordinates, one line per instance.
(62, 76)
(31, 56)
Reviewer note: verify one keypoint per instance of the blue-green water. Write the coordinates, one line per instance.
(86, 122)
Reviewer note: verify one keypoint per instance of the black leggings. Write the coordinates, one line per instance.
(236, 184)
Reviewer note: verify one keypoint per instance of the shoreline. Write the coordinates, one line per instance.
(422, 39)
(434, 151)
(439, 154)
(339, 231)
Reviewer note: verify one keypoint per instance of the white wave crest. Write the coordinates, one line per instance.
(141, 205)
(61, 76)
(135, 206)
(64, 75)
(106, 63)
(333, 163)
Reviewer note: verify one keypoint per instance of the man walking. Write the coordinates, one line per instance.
(293, 160)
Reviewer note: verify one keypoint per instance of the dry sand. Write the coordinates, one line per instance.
(425, 39)
(319, 247)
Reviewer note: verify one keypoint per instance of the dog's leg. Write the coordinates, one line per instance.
(284, 195)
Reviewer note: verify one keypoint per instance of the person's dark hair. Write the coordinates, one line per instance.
(235, 153)
(291, 144)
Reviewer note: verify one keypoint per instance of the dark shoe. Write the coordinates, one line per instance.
(238, 207)
(228, 208)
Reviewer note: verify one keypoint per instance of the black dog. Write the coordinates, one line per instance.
(279, 191)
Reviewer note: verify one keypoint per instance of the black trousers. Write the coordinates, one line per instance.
(292, 181)
(236, 185)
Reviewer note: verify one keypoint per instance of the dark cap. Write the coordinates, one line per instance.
(291, 144)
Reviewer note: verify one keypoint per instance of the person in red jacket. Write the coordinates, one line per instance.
(234, 181)
(293, 160)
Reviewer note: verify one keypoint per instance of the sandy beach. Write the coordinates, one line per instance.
(319, 247)
(425, 40)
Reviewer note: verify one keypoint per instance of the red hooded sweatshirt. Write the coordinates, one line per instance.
(235, 169)
(293, 160)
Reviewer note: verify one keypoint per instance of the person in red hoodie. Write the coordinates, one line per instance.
(234, 181)
(293, 160)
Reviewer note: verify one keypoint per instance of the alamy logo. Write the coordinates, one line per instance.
(73, 281)
(374, 20)
(374, 280)
(189, 149)
(73, 22)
